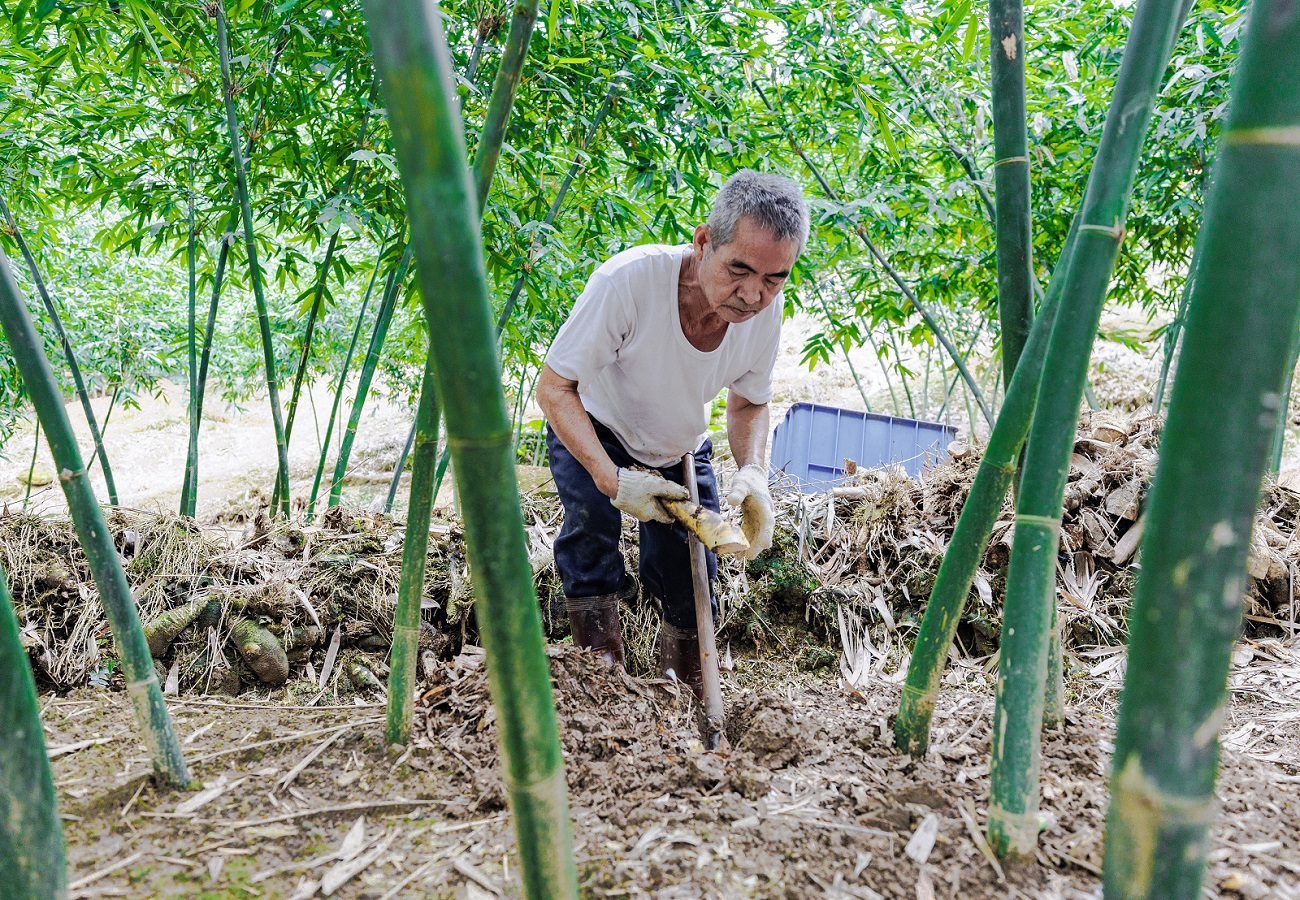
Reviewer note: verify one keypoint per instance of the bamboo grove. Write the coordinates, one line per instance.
(389, 179)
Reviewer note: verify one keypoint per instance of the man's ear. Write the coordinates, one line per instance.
(701, 238)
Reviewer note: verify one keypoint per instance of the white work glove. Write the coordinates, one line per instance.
(749, 491)
(639, 494)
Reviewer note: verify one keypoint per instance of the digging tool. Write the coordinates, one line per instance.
(713, 720)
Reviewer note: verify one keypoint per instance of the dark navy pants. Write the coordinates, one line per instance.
(587, 549)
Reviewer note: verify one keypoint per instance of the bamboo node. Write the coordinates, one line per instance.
(1117, 231)
(1011, 159)
(1019, 829)
(1050, 522)
(67, 474)
(1266, 137)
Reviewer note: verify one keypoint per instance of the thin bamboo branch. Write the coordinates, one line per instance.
(860, 230)
(342, 382)
(318, 296)
(377, 337)
(250, 248)
(70, 356)
(580, 159)
(504, 87)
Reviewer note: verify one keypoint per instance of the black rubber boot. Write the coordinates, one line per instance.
(679, 653)
(594, 623)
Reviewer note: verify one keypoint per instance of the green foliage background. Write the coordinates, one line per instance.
(111, 125)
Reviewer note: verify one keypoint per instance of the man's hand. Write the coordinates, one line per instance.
(749, 491)
(639, 494)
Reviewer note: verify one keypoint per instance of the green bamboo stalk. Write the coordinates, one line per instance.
(504, 88)
(250, 247)
(412, 58)
(1011, 178)
(1174, 330)
(96, 542)
(342, 382)
(415, 547)
(201, 385)
(396, 480)
(970, 537)
(1031, 577)
(31, 833)
(368, 365)
(426, 474)
(79, 383)
(318, 296)
(1284, 408)
(31, 470)
(1054, 686)
(192, 452)
(1188, 602)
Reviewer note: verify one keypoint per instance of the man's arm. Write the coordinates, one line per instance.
(747, 427)
(560, 403)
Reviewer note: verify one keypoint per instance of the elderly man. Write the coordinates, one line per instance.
(657, 333)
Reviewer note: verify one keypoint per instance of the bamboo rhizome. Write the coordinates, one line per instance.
(96, 541)
(69, 355)
(250, 248)
(31, 833)
(1031, 578)
(1188, 602)
(1014, 233)
(412, 58)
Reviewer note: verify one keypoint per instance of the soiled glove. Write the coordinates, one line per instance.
(639, 494)
(749, 491)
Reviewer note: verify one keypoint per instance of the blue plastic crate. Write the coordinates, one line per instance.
(813, 441)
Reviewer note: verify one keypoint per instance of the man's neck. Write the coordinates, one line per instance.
(703, 327)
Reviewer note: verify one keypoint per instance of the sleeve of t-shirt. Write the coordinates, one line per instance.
(597, 328)
(756, 384)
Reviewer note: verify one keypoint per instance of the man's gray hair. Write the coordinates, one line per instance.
(774, 203)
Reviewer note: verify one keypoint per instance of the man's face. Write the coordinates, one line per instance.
(740, 279)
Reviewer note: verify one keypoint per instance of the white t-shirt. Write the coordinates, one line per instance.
(636, 371)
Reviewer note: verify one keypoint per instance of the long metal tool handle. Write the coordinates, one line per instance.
(713, 718)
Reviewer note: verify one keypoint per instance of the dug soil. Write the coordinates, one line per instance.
(810, 799)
